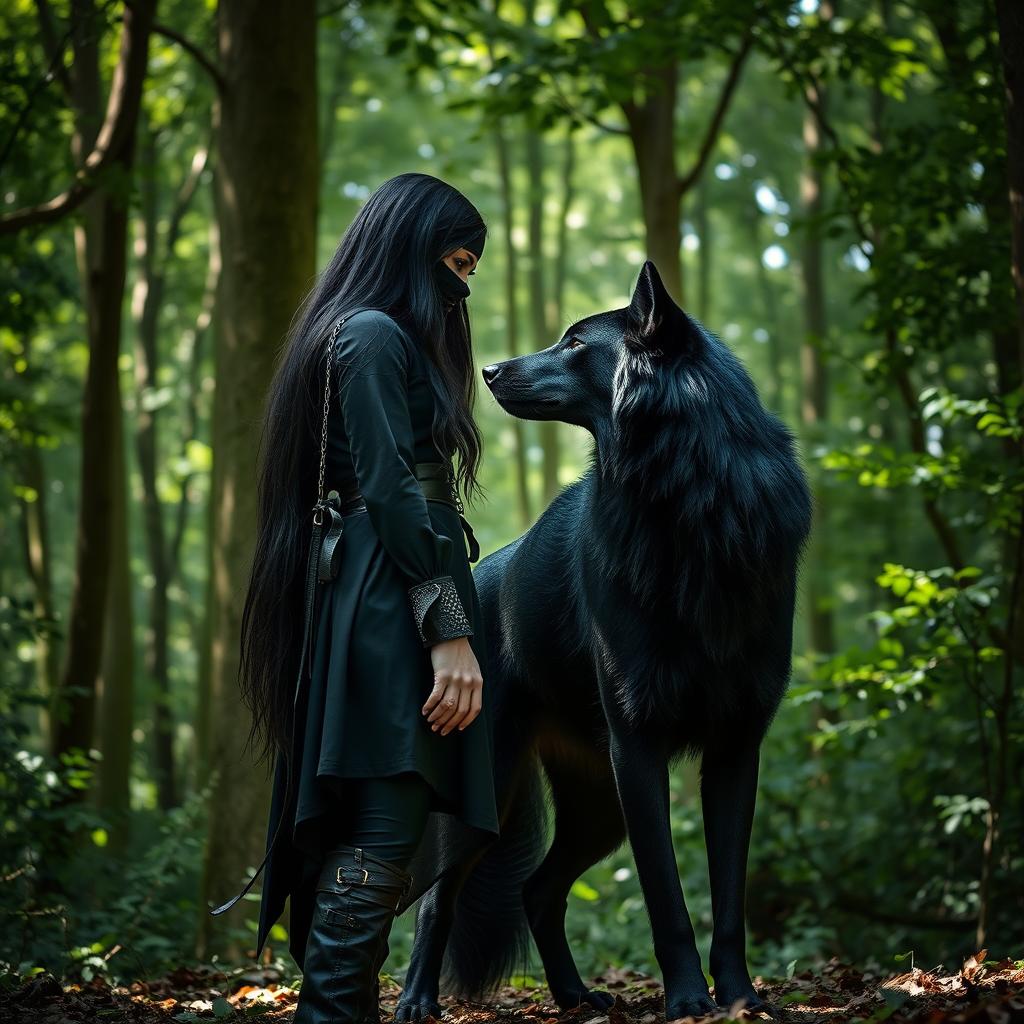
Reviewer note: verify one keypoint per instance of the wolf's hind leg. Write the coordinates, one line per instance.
(588, 827)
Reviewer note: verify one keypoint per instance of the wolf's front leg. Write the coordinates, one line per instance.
(641, 778)
(728, 787)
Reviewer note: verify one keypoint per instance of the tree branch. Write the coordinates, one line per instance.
(183, 200)
(54, 47)
(117, 128)
(593, 119)
(194, 51)
(688, 180)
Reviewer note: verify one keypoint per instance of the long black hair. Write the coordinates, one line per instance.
(385, 260)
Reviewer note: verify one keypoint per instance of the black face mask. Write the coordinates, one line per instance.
(451, 286)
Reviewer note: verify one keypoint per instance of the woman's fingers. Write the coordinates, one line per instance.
(446, 707)
(435, 694)
(469, 706)
(465, 697)
(456, 697)
(475, 706)
(458, 705)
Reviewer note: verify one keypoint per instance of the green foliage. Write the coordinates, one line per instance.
(35, 790)
(67, 906)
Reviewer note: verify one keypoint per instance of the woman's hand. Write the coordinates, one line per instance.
(457, 695)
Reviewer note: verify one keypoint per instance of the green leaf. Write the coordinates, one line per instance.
(794, 997)
(582, 891)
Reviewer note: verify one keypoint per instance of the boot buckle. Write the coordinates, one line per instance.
(361, 881)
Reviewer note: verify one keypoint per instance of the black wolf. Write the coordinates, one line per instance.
(646, 616)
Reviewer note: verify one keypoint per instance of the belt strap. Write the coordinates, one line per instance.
(436, 482)
(348, 867)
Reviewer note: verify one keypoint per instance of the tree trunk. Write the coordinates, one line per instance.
(1010, 20)
(652, 131)
(702, 225)
(148, 295)
(101, 242)
(266, 201)
(540, 320)
(117, 683)
(562, 251)
(775, 392)
(1008, 343)
(146, 305)
(814, 391)
(205, 325)
(36, 540)
(512, 315)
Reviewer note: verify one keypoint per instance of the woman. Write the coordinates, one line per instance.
(387, 771)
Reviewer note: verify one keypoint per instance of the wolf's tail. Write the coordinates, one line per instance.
(490, 935)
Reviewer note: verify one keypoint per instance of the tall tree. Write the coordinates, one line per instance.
(154, 255)
(540, 319)
(266, 200)
(37, 541)
(1010, 18)
(814, 385)
(116, 682)
(103, 148)
(512, 311)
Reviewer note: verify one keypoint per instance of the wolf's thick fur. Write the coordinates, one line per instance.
(645, 616)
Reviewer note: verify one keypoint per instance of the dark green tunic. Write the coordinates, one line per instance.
(360, 714)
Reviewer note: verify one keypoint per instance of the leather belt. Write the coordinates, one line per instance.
(436, 482)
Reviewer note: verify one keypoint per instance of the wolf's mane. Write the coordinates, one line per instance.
(700, 482)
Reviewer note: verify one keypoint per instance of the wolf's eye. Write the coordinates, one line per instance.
(575, 343)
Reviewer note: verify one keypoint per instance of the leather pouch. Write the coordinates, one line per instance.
(329, 556)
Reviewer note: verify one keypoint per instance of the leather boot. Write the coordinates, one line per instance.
(356, 897)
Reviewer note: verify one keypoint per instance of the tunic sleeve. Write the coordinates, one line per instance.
(373, 368)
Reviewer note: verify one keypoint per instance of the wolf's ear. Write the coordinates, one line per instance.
(654, 322)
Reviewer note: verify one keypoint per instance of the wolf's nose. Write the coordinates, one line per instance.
(491, 372)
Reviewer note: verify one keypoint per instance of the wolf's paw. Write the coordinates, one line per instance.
(594, 997)
(698, 1005)
(413, 1007)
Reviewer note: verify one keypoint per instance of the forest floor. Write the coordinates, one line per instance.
(984, 992)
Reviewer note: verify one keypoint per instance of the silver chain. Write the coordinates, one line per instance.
(317, 511)
(454, 491)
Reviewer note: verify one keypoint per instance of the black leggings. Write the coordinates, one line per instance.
(384, 816)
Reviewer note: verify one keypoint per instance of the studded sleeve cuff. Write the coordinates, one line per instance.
(438, 611)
